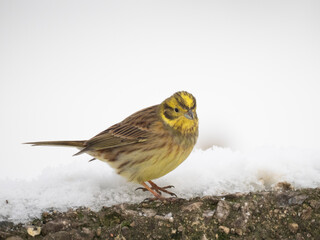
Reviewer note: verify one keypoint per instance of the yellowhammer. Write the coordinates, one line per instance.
(148, 144)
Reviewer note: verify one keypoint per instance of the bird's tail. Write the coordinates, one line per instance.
(78, 144)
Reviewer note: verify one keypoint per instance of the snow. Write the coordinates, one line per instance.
(213, 171)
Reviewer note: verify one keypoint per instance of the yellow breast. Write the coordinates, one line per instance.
(151, 164)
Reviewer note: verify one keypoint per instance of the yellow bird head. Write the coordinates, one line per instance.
(179, 112)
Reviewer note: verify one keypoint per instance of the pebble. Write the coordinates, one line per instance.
(204, 237)
(192, 207)
(34, 231)
(148, 212)
(239, 231)
(208, 213)
(296, 200)
(223, 211)
(133, 224)
(224, 229)
(54, 226)
(293, 227)
(86, 230)
(130, 212)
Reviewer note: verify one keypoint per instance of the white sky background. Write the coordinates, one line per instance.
(70, 69)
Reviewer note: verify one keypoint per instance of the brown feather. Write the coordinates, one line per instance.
(58, 143)
(133, 129)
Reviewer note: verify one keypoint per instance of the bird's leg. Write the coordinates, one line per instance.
(161, 189)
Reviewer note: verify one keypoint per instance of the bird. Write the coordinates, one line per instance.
(147, 144)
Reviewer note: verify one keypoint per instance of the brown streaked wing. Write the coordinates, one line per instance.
(132, 130)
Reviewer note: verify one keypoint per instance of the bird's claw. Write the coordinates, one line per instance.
(141, 188)
(172, 194)
(166, 187)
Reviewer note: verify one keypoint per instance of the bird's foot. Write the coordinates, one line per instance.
(156, 189)
(162, 189)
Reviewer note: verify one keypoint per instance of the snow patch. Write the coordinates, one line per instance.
(214, 171)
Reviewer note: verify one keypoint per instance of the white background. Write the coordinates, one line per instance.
(70, 69)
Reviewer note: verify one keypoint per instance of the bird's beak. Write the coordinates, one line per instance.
(189, 115)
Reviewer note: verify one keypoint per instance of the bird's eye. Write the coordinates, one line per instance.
(176, 110)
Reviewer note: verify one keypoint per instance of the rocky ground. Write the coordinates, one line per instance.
(280, 214)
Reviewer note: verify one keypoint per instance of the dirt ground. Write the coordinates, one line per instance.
(283, 213)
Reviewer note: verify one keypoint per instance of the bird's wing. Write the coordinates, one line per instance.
(116, 136)
(132, 130)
